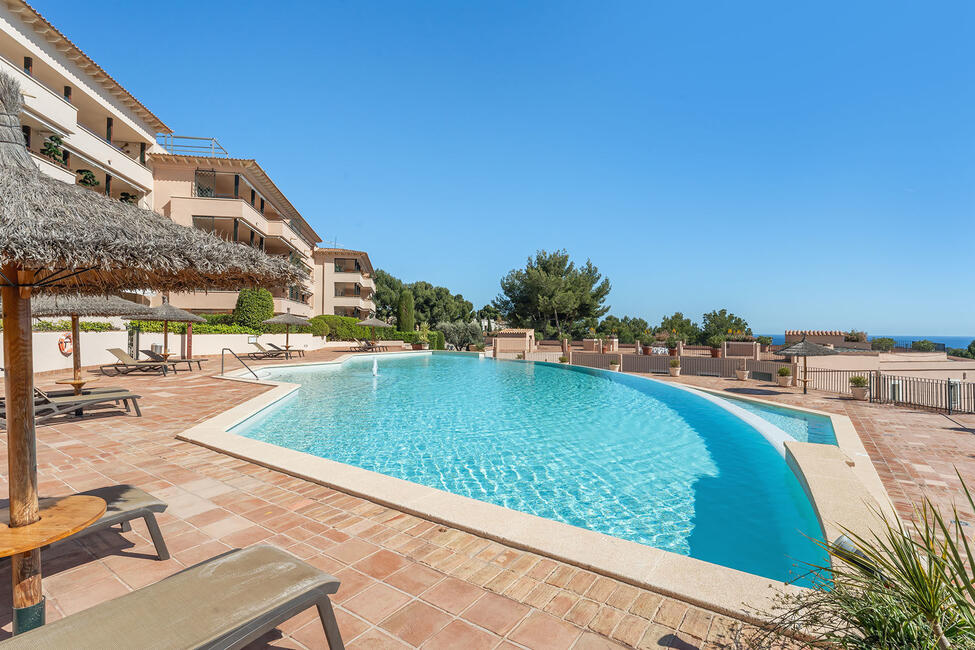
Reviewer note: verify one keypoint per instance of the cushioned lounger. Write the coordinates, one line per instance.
(225, 602)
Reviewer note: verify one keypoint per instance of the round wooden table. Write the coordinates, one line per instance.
(60, 517)
(76, 384)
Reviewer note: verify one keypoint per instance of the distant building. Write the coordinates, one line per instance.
(822, 337)
(343, 282)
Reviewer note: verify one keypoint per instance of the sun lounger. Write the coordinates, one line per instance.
(153, 356)
(127, 364)
(125, 503)
(264, 353)
(289, 352)
(47, 406)
(366, 346)
(225, 602)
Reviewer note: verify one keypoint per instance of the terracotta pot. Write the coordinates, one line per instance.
(672, 352)
(674, 372)
(784, 381)
(647, 350)
(742, 375)
(859, 392)
(715, 353)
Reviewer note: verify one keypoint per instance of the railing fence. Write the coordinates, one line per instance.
(951, 395)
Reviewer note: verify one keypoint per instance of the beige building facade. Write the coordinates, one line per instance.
(103, 129)
(343, 282)
(235, 199)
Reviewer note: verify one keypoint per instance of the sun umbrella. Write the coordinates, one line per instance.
(373, 322)
(61, 238)
(77, 306)
(167, 313)
(287, 319)
(806, 349)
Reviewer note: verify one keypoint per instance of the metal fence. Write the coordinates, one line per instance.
(764, 370)
(594, 359)
(647, 363)
(951, 395)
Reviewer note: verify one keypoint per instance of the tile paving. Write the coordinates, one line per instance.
(406, 582)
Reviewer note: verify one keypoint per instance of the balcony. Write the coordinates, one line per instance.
(360, 302)
(283, 231)
(87, 145)
(56, 171)
(282, 305)
(183, 208)
(41, 100)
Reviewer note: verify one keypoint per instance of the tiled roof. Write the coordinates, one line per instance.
(814, 332)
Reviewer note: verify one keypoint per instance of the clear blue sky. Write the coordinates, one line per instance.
(806, 165)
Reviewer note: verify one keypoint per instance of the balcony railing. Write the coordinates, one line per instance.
(188, 145)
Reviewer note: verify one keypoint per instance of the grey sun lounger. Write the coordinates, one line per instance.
(125, 503)
(127, 364)
(264, 353)
(288, 353)
(153, 356)
(47, 406)
(225, 602)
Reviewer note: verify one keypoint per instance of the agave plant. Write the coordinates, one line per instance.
(903, 586)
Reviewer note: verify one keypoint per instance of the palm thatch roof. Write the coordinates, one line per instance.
(67, 239)
(806, 348)
(79, 305)
(373, 322)
(287, 319)
(169, 313)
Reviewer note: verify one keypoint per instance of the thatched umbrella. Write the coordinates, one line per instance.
(287, 319)
(806, 349)
(77, 306)
(373, 322)
(60, 238)
(167, 313)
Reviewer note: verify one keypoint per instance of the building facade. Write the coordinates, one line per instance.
(81, 126)
(343, 282)
(235, 199)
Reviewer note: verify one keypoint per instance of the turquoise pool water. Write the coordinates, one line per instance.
(804, 427)
(617, 454)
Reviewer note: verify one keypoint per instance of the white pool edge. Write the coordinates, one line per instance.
(841, 491)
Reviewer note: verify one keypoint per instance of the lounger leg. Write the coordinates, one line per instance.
(156, 535)
(126, 526)
(135, 404)
(332, 634)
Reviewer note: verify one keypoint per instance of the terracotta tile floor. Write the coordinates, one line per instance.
(406, 582)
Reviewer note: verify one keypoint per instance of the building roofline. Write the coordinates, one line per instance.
(63, 44)
(345, 251)
(250, 165)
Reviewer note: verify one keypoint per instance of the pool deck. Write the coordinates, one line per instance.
(407, 582)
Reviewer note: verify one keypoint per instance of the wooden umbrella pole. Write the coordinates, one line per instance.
(76, 350)
(21, 446)
(189, 340)
(287, 333)
(165, 336)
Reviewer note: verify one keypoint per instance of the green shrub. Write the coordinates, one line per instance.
(675, 363)
(253, 307)
(437, 341)
(923, 345)
(207, 328)
(858, 381)
(563, 359)
(219, 319)
(785, 371)
(319, 326)
(716, 340)
(855, 336)
(883, 344)
(405, 310)
(65, 326)
(764, 340)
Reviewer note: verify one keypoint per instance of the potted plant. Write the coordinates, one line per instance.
(52, 149)
(742, 373)
(785, 376)
(716, 342)
(765, 342)
(673, 342)
(563, 359)
(423, 336)
(612, 343)
(859, 387)
(674, 368)
(87, 178)
(614, 364)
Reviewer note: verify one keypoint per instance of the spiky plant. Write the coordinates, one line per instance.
(902, 586)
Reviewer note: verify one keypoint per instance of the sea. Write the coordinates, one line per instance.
(904, 340)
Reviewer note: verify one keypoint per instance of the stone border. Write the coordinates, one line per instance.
(715, 587)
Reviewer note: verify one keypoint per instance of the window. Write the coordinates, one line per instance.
(29, 65)
(26, 132)
(253, 196)
(109, 123)
(67, 94)
(142, 153)
(108, 184)
(205, 183)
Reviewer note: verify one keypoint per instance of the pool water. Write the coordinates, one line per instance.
(803, 426)
(622, 455)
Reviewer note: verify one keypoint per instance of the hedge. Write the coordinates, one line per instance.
(65, 326)
(253, 307)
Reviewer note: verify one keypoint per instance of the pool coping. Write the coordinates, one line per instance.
(831, 481)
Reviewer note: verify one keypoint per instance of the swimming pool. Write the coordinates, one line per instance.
(801, 425)
(622, 455)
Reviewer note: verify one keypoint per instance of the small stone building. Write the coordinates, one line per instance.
(822, 337)
(515, 340)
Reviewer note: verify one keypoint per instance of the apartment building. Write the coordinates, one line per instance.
(197, 183)
(343, 282)
(90, 129)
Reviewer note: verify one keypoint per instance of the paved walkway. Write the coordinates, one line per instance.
(406, 582)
